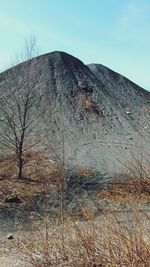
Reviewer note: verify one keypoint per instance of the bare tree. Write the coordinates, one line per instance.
(30, 48)
(17, 109)
(29, 51)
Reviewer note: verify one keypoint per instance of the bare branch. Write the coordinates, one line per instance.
(17, 108)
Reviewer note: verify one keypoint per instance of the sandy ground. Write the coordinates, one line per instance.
(12, 261)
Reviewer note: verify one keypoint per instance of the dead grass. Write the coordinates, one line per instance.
(8, 166)
(37, 165)
(84, 172)
(87, 103)
(103, 242)
(40, 174)
(44, 175)
(135, 186)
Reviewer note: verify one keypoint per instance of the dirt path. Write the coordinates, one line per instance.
(11, 261)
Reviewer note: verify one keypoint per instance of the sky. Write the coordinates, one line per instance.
(115, 33)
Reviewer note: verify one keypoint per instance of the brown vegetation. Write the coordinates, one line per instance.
(112, 239)
(135, 185)
(104, 241)
(39, 172)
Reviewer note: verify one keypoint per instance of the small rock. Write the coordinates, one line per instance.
(13, 200)
(10, 237)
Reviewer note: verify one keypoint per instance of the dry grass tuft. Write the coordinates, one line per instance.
(135, 185)
(40, 173)
(105, 242)
(8, 168)
(37, 165)
(85, 172)
(122, 240)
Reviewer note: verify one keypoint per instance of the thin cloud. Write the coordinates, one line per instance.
(132, 14)
(133, 23)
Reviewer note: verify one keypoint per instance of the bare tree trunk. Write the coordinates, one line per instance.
(20, 158)
(20, 165)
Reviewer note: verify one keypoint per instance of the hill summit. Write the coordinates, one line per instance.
(89, 114)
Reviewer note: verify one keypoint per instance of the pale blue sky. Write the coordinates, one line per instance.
(115, 33)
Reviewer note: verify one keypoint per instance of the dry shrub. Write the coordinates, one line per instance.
(138, 181)
(126, 245)
(105, 242)
(84, 172)
(8, 166)
(37, 165)
(41, 173)
(135, 184)
(86, 102)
